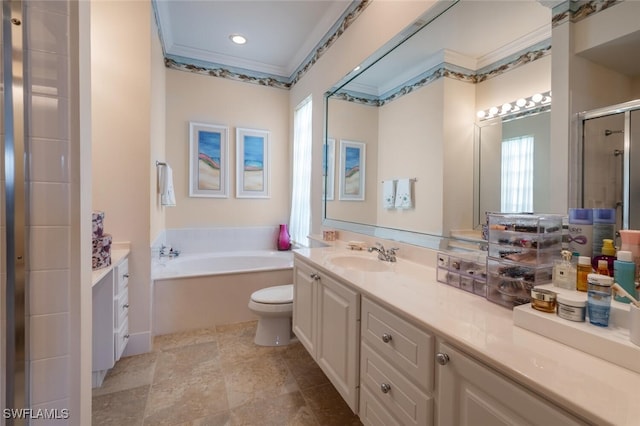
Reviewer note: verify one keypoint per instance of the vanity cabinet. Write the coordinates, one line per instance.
(396, 369)
(110, 315)
(326, 320)
(473, 394)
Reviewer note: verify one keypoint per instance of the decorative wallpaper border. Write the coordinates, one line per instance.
(577, 11)
(568, 11)
(247, 76)
(450, 71)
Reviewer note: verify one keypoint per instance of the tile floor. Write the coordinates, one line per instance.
(217, 377)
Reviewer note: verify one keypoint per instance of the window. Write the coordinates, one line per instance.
(300, 221)
(516, 193)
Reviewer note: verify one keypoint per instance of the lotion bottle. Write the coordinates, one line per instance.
(624, 273)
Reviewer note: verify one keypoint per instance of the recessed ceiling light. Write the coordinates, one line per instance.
(238, 39)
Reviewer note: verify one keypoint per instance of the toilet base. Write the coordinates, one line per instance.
(273, 331)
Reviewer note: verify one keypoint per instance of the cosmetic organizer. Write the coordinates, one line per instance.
(522, 250)
(467, 271)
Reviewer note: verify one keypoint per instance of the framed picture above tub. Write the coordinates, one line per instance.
(352, 170)
(252, 163)
(208, 160)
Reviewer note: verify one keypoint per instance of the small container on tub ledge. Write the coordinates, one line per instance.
(284, 240)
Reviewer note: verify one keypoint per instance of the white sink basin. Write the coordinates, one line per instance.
(368, 264)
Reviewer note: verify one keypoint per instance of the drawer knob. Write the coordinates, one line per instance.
(315, 276)
(125, 275)
(125, 306)
(385, 387)
(442, 358)
(386, 337)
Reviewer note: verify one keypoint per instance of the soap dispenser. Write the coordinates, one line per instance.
(564, 272)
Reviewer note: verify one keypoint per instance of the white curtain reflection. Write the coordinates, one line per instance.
(517, 175)
(300, 221)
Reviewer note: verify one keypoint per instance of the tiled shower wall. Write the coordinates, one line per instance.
(47, 24)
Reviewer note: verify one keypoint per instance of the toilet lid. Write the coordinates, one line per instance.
(274, 295)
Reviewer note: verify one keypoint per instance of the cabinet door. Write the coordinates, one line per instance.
(339, 337)
(304, 306)
(473, 394)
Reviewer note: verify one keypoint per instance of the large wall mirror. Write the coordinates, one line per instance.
(412, 113)
(512, 157)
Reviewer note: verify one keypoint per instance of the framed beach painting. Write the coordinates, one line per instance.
(252, 163)
(352, 170)
(328, 168)
(208, 160)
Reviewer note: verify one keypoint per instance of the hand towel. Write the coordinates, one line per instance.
(403, 194)
(167, 195)
(388, 194)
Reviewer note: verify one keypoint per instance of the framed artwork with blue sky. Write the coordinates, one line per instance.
(208, 160)
(352, 170)
(252, 163)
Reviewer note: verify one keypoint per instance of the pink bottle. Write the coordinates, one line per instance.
(630, 241)
(284, 240)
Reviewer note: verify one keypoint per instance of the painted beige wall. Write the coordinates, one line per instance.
(158, 131)
(458, 118)
(355, 122)
(199, 98)
(121, 118)
(357, 43)
(521, 82)
(411, 146)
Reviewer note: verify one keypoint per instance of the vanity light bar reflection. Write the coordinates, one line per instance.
(522, 104)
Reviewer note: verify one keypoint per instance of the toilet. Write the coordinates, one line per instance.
(274, 307)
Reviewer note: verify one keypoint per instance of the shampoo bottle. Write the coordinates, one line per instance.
(624, 270)
(604, 222)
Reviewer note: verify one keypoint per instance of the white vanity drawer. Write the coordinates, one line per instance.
(120, 339)
(121, 308)
(121, 276)
(372, 412)
(405, 346)
(397, 393)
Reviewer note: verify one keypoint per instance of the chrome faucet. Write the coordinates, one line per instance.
(171, 252)
(384, 255)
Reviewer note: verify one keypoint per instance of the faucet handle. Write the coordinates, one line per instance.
(393, 250)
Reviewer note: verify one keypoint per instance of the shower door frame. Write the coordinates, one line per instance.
(624, 108)
(15, 332)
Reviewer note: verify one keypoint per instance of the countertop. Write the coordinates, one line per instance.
(593, 389)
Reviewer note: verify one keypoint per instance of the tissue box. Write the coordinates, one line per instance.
(101, 257)
(97, 224)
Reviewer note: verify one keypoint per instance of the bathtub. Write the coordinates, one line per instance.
(202, 290)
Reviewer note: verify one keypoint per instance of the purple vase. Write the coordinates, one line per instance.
(284, 241)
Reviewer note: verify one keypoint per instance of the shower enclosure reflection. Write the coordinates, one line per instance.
(610, 145)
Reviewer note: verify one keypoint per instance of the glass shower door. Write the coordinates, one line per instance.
(610, 156)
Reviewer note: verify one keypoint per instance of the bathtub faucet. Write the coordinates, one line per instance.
(171, 252)
(385, 255)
